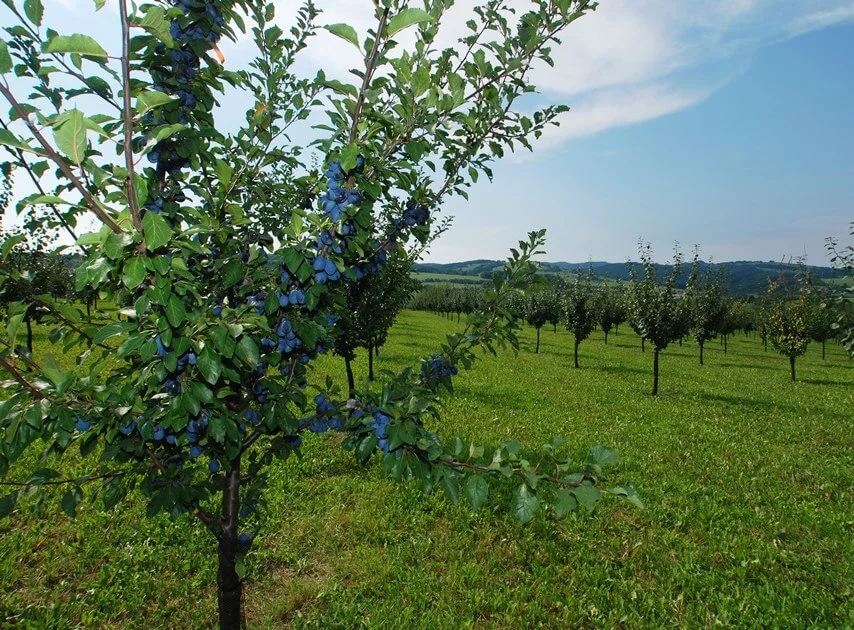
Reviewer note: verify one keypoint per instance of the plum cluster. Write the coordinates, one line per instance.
(326, 416)
(338, 197)
(436, 369)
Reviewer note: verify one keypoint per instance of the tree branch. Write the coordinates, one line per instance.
(127, 116)
(94, 206)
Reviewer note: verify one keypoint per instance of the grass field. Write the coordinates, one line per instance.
(748, 480)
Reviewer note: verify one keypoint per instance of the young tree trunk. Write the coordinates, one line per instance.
(701, 352)
(765, 344)
(725, 340)
(371, 362)
(229, 588)
(680, 342)
(823, 342)
(537, 349)
(792, 366)
(555, 328)
(88, 309)
(655, 372)
(643, 344)
(617, 329)
(606, 337)
(351, 382)
(577, 343)
(29, 334)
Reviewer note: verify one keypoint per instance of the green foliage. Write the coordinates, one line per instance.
(579, 309)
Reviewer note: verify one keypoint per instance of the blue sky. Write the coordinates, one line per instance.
(725, 124)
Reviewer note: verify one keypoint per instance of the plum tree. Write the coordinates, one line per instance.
(654, 308)
(579, 310)
(236, 249)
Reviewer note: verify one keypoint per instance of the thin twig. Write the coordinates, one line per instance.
(127, 116)
(94, 206)
(370, 66)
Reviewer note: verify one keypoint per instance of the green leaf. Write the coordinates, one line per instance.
(111, 330)
(46, 200)
(156, 231)
(451, 487)
(5, 65)
(77, 44)
(232, 273)
(587, 496)
(71, 500)
(34, 11)
(602, 456)
(147, 101)
(7, 503)
(476, 490)
(405, 19)
(345, 32)
(115, 244)
(175, 311)
(216, 428)
(525, 503)
(99, 4)
(209, 365)
(349, 156)
(156, 23)
(566, 502)
(70, 136)
(247, 351)
(629, 494)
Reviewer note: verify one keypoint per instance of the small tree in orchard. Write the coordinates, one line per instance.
(237, 257)
(373, 303)
(609, 311)
(704, 303)
(541, 307)
(842, 258)
(655, 308)
(732, 320)
(788, 329)
(822, 321)
(579, 311)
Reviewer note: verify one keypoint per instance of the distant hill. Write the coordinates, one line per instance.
(744, 277)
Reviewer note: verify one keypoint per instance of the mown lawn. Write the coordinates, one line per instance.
(748, 480)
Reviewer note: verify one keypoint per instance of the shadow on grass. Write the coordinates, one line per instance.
(769, 406)
(620, 369)
(822, 381)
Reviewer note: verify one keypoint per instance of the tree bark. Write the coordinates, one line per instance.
(643, 344)
(29, 334)
(792, 366)
(725, 342)
(229, 587)
(351, 383)
(655, 372)
(701, 352)
(823, 342)
(537, 350)
(371, 363)
(577, 343)
(606, 337)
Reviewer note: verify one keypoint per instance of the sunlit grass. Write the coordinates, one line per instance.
(748, 480)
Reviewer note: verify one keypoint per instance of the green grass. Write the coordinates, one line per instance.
(748, 480)
(447, 278)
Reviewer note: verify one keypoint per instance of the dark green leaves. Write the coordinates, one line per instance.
(405, 19)
(7, 504)
(157, 232)
(345, 32)
(209, 365)
(525, 504)
(147, 101)
(34, 11)
(77, 43)
(247, 351)
(70, 501)
(476, 490)
(133, 273)
(5, 58)
(175, 311)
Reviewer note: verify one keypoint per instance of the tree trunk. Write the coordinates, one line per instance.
(371, 362)
(643, 344)
(792, 366)
(29, 335)
(765, 344)
(617, 329)
(655, 372)
(577, 343)
(725, 340)
(701, 352)
(555, 328)
(229, 588)
(537, 350)
(88, 309)
(680, 342)
(823, 342)
(351, 382)
(458, 317)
